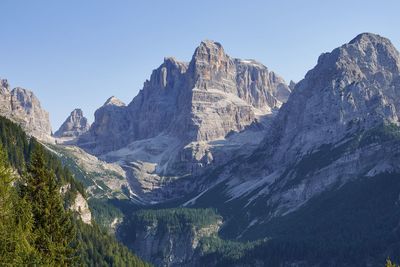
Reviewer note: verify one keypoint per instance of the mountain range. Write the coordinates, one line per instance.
(306, 173)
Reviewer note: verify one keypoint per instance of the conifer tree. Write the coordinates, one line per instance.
(15, 218)
(52, 227)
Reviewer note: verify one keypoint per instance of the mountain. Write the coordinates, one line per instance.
(187, 117)
(181, 99)
(23, 107)
(350, 92)
(36, 192)
(328, 166)
(75, 125)
(217, 162)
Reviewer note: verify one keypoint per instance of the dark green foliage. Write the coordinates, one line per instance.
(175, 219)
(52, 225)
(100, 249)
(63, 174)
(225, 250)
(354, 225)
(35, 227)
(15, 220)
(104, 213)
(19, 147)
(15, 143)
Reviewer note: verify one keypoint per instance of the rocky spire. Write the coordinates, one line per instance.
(75, 125)
(4, 84)
(211, 66)
(292, 84)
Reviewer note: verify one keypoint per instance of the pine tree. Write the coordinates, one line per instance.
(15, 218)
(52, 227)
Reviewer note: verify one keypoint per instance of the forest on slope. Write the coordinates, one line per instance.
(38, 228)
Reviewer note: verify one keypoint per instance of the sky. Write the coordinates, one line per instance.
(77, 53)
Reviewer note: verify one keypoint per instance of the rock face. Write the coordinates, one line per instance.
(200, 101)
(22, 106)
(109, 128)
(82, 208)
(353, 88)
(173, 126)
(339, 124)
(80, 205)
(164, 243)
(75, 125)
(171, 248)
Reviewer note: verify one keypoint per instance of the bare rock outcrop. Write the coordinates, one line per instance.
(75, 125)
(202, 100)
(23, 107)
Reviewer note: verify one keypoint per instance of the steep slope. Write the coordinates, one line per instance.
(184, 117)
(75, 125)
(169, 237)
(101, 179)
(191, 101)
(339, 124)
(23, 107)
(95, 248)
(352, 88)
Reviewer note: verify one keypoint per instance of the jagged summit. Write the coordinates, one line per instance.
(203, 100)
(4, 84)
(75, 125)
(356, 86)
(369, 37)
(23, 107)
(209, 44)
(333, 129)
(113, 101)
(173, 60)
(77, 112)
(365, 55)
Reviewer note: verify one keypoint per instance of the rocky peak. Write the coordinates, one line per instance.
(355, 87)
(108, 129)
(172, 62)
(210, 66)
(77, 113)
(208, 51)
(23, 107)
(4, 84)
(260, 87)
(113, 101)
(167, 75)
(198, 101)
(75, 125)
(368, 56)
(292, 84)
(314, 143)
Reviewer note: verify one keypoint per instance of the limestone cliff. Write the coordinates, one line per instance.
(23, 107)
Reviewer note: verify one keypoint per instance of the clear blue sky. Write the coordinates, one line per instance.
(77, 53)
